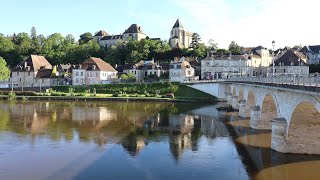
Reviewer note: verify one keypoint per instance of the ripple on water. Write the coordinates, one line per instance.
(309, 170)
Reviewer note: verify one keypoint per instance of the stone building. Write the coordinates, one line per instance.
(292, 62)
(134, 32)
(34, 71)
(143, 69)
(181, 71)
(312, 53)
(93, 71)
(179, 37)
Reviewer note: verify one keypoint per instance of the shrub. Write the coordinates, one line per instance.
(11, 96)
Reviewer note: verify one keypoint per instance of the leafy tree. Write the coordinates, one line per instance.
(224, 51)
(195, 41)
(124, 76)
(234, 48)
(213, 44)
(85, 37)
(4, 70)
(131, 76)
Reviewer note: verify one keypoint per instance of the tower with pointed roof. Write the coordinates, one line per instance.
(179, 37)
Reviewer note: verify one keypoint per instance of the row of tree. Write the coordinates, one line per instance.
(60, 49)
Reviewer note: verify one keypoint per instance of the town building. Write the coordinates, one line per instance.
(143, 69)
(179, 37)
(93, 71)
(34, 71)
(312, 53)
(180, 71)
(220, 66)
(134, 32)
(292, 62)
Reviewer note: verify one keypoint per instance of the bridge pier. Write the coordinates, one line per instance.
(243, 111)
(229, 99)
(278, 135)
(235, 103)
(256, 122)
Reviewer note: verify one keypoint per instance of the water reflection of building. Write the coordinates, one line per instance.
(181, 123)
(133, 144)
(92, 114)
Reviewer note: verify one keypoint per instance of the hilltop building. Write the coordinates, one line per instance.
(179, 37)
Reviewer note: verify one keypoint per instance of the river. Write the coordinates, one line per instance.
(133, 140)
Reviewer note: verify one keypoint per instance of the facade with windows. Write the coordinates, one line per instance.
(225, 66)
(93, 71)
(34, 71)
(181, 71)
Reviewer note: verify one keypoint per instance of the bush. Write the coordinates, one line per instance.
(11, 96)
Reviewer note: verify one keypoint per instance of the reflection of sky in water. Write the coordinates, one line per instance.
(112, 140)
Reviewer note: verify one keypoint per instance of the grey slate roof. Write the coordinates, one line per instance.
(178, 24)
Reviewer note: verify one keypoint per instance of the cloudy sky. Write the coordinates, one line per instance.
(248, 22)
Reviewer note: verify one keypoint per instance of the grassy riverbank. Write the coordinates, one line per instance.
(122, 92)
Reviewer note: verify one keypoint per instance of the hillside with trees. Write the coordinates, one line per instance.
(59, 49)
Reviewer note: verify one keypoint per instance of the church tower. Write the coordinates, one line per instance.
(179, 38)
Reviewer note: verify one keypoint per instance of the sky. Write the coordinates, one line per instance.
(249, 23)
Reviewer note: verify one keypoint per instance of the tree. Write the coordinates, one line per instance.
(4, 70)
(213, 44)
(85, 37)
(234, 48)
(195, 41)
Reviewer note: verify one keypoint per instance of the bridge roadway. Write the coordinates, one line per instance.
(290, 108)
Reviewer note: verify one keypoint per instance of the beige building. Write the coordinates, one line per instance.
(181, 71)
(134, 32)
(34, 71)
(93, 71)
(179, 37)
(225, 66)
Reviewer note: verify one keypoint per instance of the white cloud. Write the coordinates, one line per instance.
(254, 22)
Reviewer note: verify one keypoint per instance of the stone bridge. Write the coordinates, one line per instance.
(291, 112)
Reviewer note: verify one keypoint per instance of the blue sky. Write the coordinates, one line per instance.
(248, 22)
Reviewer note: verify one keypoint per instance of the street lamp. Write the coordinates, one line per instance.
(273, 43)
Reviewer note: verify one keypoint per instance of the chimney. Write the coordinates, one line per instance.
(116, 66)
(94, 67)
(25, 64)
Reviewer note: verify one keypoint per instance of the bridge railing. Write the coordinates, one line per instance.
(310, 81)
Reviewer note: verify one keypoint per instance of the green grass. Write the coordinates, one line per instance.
(186, 92)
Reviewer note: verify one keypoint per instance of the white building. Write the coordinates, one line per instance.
(179, 37)
(225, 66)
(290, 63)
(93, 71)
(134, 32)
(181, 71)
(143, 69)
(313, 54)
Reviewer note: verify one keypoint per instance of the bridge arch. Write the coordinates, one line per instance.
(269, 110)
(251, 98)
(303, 129)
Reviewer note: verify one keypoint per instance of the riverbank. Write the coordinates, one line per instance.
(97, 98)
(161, 92)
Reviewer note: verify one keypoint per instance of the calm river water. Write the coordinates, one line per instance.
(120, 140)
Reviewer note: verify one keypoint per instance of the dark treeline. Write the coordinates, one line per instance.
(62, 50)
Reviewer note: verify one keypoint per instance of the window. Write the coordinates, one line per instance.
(189, 73)
(150, 72)
(96, 74)
(135, 72)
(171, 66)
(28, 73)
(42, 80)
(178, 66)
(208, 63)
(17, 73)
(81, 73)
(77, 73)
(20, 80)
(77, 80)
